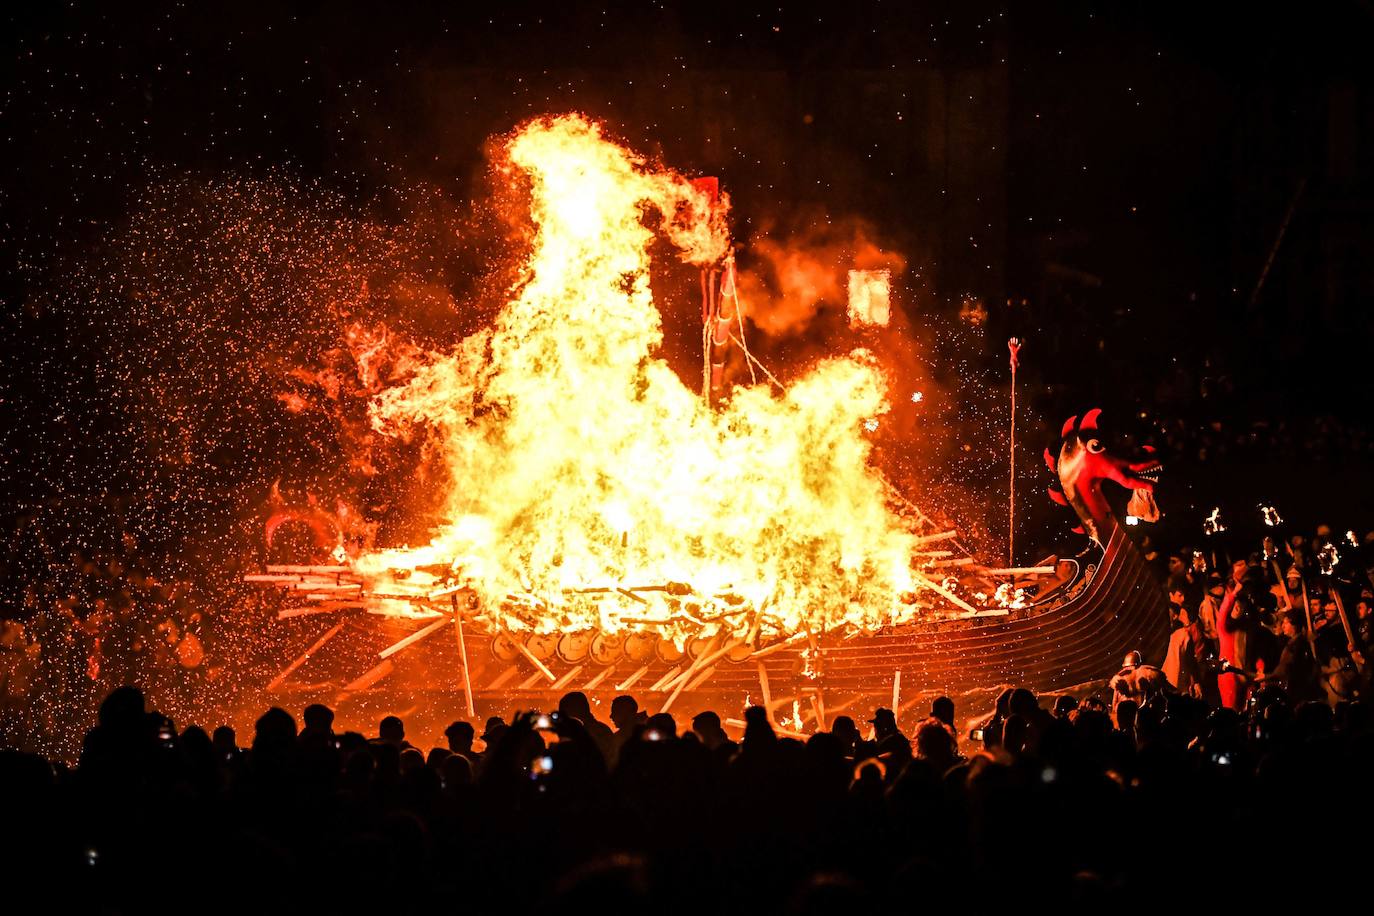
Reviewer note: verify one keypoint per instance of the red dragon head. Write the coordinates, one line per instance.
(1082, 466)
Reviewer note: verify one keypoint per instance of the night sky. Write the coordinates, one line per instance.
(194, 194)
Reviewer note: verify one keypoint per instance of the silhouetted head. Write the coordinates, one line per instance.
(1126, 712)
(273, 729)
(575, 704)
(844, 728)
(1024, 704)
(224, 741)
(411, 760)
(459, 735)
(494, 729)
(456, 770)
(624, 711)
(706, 726)
(123, 709)
(935, 741)
(318, 718)
(663, 724)
(758, 731)
(1132, 659)
(1063, 705)
(884, 722)
(708, 722)
(1015, 733)
(195, 743)
(392, 730)
(943, 709)
(618, 883)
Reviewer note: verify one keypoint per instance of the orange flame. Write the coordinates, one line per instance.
(582, 467)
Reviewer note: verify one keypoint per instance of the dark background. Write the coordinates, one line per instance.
(1107, 180)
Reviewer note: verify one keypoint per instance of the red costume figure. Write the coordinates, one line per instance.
(1230, 634)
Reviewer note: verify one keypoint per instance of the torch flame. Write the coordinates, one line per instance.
(581, 467)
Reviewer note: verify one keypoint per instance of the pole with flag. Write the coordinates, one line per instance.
(1014, 347)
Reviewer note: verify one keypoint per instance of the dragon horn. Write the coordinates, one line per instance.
(1068, 426)
(1049, 459)
(1078, 530)
(1090, 420)
(1058, 497)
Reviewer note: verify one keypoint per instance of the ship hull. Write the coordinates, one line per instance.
(1118, 608)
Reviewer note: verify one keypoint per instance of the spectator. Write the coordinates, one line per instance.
(706, 726)
(892, 747)
(459, 736)
(936, 744)
(1296, 671)
(844, 729)
(576, 705)
(1183, 660)
(392, 731)
(495, 728)
(319, 722)
(1136, 680)
(942, 708)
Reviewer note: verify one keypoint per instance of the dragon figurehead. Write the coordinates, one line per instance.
(1084, 463)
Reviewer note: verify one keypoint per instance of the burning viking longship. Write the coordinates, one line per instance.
(608, 529)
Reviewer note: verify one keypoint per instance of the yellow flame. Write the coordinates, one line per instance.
(579, 460)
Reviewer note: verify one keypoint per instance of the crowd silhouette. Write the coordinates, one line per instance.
(1079, 805)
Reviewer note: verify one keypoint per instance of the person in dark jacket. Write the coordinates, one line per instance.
(1297, 668)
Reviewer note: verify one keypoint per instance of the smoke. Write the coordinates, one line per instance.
(790, 273)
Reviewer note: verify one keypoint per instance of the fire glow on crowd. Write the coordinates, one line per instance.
(686, 457)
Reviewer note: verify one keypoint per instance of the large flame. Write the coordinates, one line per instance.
(581, 464)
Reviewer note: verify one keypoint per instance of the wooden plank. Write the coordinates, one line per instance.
(777, 729)
(596, 681)
(463, 655)
(661, 682)
(308, 570)
(778, 646)
(413, 638)
(630, 681)
(307, 585)
(305, 656)
(529, 656)
(372, 676)
(563, 681)
(940, 589)
(701, 678)
(288, 613)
